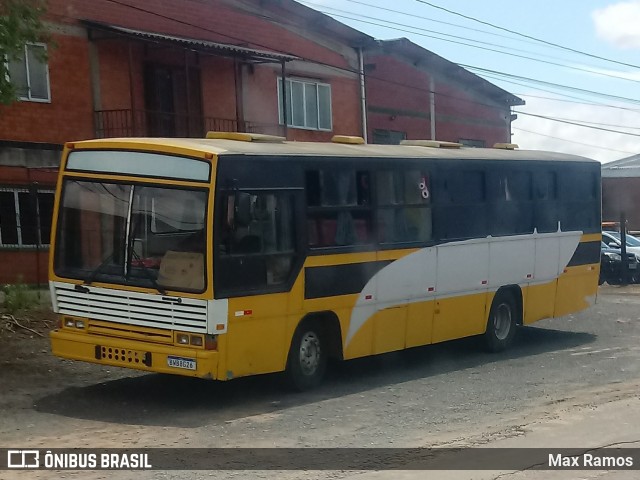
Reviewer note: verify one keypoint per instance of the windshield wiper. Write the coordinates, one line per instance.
(94, 273)
(148, 273)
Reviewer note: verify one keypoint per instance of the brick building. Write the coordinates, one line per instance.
(413, 93)
(171, 68)
(621, 191)
(182, 67)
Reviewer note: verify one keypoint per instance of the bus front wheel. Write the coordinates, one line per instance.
(502, 322)
(307, 360)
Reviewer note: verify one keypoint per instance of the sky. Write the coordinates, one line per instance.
(585, 79)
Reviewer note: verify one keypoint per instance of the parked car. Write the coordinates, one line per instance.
(612, 239)
(611, 265)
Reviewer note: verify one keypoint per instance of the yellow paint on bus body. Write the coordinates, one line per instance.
(82, 346)
(577, 289)
(419, 323)
(459, 317)
(540, 303)
(260, 327)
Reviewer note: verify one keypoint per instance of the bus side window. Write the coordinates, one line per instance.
(258, 240)
(460, 205)
(545, 197)
(338, 208)
(579, 201)
(511, 202)
(404, 206)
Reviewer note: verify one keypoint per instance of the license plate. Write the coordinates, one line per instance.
(181, 362)
(633, 266)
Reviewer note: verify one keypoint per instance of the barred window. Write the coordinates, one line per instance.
(25, 217)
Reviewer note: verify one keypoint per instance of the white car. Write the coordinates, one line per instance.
(613, 240)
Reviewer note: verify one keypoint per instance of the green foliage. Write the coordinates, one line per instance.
(20, 23)
(18, 297)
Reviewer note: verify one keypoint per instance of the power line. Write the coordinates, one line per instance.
(573, 141)
(344, 69)
(585, 122)
(577, 100)
(392, 82)
(412, 15)
(317, 62)
(556, 45)
(553, 119)
(568, 87)
(359, 18)
(553, 99)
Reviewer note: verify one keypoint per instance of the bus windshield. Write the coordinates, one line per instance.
(143, 235)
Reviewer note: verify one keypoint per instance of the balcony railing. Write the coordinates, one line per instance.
(149, 123)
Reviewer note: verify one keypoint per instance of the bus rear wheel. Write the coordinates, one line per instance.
(502, 322)
(307, 360)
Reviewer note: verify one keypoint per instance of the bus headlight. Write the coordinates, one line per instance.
(192, 339)
(71, 322)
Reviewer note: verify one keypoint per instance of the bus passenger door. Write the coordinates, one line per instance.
(461, 290)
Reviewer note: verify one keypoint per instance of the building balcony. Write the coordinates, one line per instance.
(149, 123)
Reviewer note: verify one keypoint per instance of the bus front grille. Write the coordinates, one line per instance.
(131, 308)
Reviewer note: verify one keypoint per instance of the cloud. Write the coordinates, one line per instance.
(541, 134)
(618, 24)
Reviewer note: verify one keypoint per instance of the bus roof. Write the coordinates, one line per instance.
(223, 147)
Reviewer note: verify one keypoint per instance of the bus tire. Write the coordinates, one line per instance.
(502, 322)
(307, 359)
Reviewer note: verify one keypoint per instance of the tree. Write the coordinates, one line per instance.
(20, 23)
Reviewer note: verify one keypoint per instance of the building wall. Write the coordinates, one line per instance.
(235, 22)
(69, 115)
(460, 113)
(21, 176)
(398, 99)
(113, 73)
(24, 266)
(108, 74)
(621, 195)
(249, 23)
(260, 100)
(218, 79)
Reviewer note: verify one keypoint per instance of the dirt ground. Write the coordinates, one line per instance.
(441, 395)
(25, 353)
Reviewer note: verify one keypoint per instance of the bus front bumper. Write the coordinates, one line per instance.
(125, 353)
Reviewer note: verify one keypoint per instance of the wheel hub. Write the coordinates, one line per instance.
(309, 353)
(502, 321)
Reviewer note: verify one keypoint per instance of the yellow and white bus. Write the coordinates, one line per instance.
(244, 254)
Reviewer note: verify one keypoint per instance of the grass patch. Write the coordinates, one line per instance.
(19, 297)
